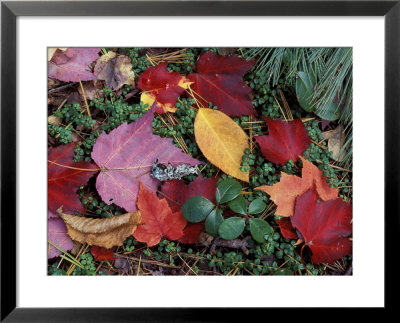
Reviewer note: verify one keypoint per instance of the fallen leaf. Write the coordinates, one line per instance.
(336, 139)
(224, 51)
(92, 90)
(57, 234)
(115, 70)
(177, 192)
(52, 50)
(205, 239)
(219, 80)
(286, 140)
(102, 254)
(54, 120)
(123, 265)
(126, 156)
(324, 225)
(163, 87)
(222, 141)
(107, 233)
(63, 182)
(191, 233)
(72, 65)
(287, 229)
(157, 219)
(285, 192)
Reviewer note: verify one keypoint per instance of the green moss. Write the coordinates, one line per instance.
(189, 62)
(76, 115)
(62, 134)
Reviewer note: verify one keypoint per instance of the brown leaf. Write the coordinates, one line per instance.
(52, 50)
(53, 120)
(336, 142)
(105, 233)
(92, 90)
(224, 51)
(115, 70)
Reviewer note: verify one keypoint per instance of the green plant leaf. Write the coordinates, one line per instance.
(197, 208)
(213, 222)
(305, 90)
(238, 205)
(329, 112)
(227, 190)
(259, 228)
(231, 228)
(257, 206)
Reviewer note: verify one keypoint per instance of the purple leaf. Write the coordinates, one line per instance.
(57, 234)
(126, 156)
(72, 65)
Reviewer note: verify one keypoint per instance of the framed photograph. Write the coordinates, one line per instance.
(172, 144)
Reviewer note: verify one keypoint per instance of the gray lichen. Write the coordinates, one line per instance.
(163, 173)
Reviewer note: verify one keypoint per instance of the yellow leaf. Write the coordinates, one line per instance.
(184, 83)
(222, 141)
(105, 233)
(149, 99)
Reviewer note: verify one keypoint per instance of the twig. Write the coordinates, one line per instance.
(84, 98)
(62, 87)
(234, 244)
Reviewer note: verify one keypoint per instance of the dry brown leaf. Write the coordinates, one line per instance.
(115, 70)
(336, 142)
(105, 233)
(52, 50)
(53, 120)
(92, 90)
(336, 139)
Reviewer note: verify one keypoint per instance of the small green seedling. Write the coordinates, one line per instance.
(198, 209)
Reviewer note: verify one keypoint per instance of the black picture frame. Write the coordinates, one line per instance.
(10, 10)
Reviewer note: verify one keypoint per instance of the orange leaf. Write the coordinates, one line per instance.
(157, 219)
(285, 192)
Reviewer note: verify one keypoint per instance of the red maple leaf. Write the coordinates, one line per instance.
(192, 232)
(72, 65)
(219, 80)
(287, 229)
(177, 192)
(63, 182)
(102, 254)
(286, 140)
(161, 86)
(157, 219)
(324, 225)
(126, 156)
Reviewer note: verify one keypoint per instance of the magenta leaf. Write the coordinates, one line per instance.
(126, 156)
(72, 64)
(57, 234)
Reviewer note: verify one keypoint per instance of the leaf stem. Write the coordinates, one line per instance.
(75, 168)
